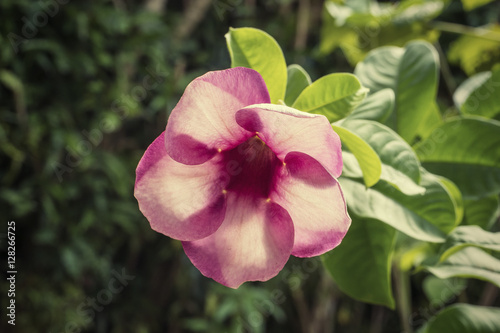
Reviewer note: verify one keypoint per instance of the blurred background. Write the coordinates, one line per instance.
(86, 86)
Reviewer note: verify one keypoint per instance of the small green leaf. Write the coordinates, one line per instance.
(368, 160)
(478, 95)
(412, 73)
(298, 80)
(469, 262)
(464, 236)
(361, 264)
(467, 152)
(400, 165)
(333, 95)
(253, 48)
(428, 216)
(465, 318)
(472, 4)
(377, 106)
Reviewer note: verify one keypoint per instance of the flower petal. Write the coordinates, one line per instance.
(285, 129)
(253, 243)
(184, 202)
(315, 202)
(203, 120)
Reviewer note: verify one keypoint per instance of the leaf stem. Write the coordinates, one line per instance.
(465, 30)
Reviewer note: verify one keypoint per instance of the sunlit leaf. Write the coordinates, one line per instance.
(478, 95)
(368, 160)
(253, 48)
(333, 95)
(412, 73)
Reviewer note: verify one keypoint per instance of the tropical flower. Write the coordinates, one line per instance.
(243, 183)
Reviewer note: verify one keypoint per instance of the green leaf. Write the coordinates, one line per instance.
(253, 48)
(360, 26)
(368, 160)
(361, 264)
(456, 197)
(441, 291)
(467, 152)
(426, 217)
(400, 165)
(465, 318)
(478, 95)
(464, 236)
(472, 4)
(377, 106)
(333, 96)
(476, 54)
(298, 80)
(412, 73)
(482, 212)
(470, 262)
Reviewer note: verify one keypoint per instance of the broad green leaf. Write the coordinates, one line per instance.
(412, 72)
(426, 217)
(333, 95)
(377, 106)
(471, 235)
(465, 318)
(471, 4)
(477, 54)
(482, 212)
(400, 166)
(467, 152)
(298, 80)
(361, 264)
(368, 160)
(429, 123)
(469, 262)
(253, 48)
(478, 95)
(441, 291)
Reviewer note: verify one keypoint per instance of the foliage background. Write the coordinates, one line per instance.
(82, 95)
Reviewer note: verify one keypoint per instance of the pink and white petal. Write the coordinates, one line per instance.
(253, 243)
(285, 129)
(203, 120)
(185, 202)
(315, 202)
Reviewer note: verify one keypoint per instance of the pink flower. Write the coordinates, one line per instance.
(241, 182)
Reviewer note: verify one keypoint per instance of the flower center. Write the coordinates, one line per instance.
(251, 167)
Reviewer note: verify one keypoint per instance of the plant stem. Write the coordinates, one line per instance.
(403, 298)
(465, 30)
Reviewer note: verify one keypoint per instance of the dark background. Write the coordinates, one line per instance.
(84, 89)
